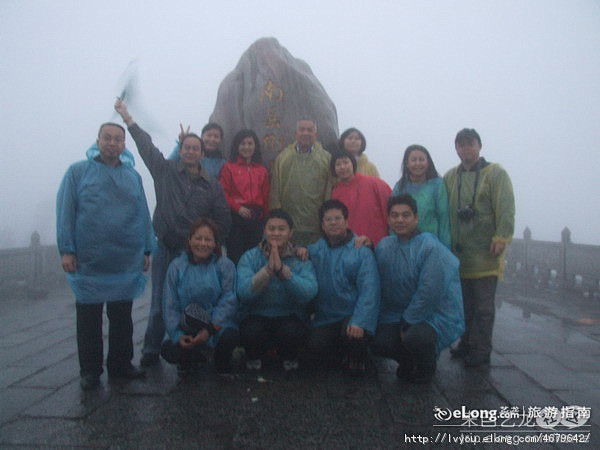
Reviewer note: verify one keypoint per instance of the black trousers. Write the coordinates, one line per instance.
(176, 354)
(244, 235)
(89, 336)
(417, 348)
(259, 334)
(332, 341)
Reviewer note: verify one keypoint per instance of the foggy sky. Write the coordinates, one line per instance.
(525, 74)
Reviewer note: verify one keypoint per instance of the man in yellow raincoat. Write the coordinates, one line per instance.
(482, 219)
(300, 182)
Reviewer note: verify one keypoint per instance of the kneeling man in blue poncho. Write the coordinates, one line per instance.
(105, 238)
(421, 309)
(347, 304)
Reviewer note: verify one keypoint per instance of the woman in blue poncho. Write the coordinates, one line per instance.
(201, 276)
(421, 180)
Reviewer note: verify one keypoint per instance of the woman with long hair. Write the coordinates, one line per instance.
(246, 184)
(421, 180)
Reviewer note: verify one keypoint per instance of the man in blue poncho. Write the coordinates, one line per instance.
(274, 286)
(421, 309)
(347, 304)
(105, 237)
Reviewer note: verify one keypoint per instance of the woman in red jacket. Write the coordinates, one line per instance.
(246, 184)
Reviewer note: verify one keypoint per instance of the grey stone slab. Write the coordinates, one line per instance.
(159, 380)
(11, 375)
(50, 355)
(40, 433)
(519, 389)
(44, 330)
(70, 402)
(14, 400)
(55, 376)
(551, 374)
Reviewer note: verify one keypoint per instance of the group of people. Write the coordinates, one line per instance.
(321, 254)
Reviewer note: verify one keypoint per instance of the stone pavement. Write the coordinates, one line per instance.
(547, 349)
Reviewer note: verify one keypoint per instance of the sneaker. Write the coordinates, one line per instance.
(254, 364)
(149, 359)
(290, 364)
(89, 381)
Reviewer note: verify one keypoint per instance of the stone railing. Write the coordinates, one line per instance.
(29, 271)
(567, 264)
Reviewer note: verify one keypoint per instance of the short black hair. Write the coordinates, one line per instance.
(279, 213)
(195, 136)
(237, 140)
(346, 133)
(332, 204)
(112, 124)
(467, 135)
(402, 199)
(339, 154)
(213, 126)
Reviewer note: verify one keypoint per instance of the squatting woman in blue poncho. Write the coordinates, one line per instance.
(104, 235)
(274, 287)
(200, 275)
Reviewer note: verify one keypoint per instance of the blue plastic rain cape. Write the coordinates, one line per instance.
(420, 282)
(279, 298)
(211, 284)
(348, 285)
(102, 218)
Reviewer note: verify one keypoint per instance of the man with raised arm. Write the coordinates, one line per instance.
(185, 192)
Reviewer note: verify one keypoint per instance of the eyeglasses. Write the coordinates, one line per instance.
(332, 219)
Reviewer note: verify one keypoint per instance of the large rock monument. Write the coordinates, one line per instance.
(268, 91)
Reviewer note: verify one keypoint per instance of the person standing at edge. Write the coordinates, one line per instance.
(482, 220)
(185, 192)
(300, 182)
(105, 237)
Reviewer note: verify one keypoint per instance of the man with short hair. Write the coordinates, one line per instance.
(185, 192)
(104, 235)
(300, 181)
(482, 220)
(421, 310)
(347, 304)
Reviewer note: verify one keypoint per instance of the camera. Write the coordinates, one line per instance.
(466, 214)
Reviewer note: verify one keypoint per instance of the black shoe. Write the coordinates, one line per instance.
(475, 360)
(89, 381)
(405, 370)
(149, 359)
(130, 373)
(459, 352)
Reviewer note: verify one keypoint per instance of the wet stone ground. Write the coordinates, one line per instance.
(546, 354)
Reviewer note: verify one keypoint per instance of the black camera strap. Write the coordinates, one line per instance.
(460, 172)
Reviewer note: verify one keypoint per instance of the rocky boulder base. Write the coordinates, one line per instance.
(268, 92)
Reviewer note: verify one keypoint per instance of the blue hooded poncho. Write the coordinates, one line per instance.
(211, 284)
(420, 282)
(102, 218)
(348, 285)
